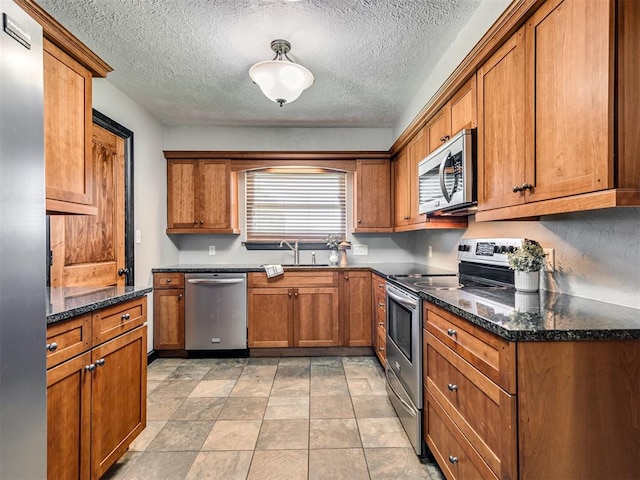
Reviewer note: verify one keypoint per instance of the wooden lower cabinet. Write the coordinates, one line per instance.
(355, 308)
(168, 311)
(316, 317)
(96, 401)
(379, 316)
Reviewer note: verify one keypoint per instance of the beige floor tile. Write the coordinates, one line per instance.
(224, 372)
(233, 435)
(189, 372)
(220, 466)
(398, 463)
(119, 470)
(199, 408)
(161, 466)
(357, 370)
(366, 386)
(334, 433)
(243, 408)
(328, 370)
(258, 372)
(143, 440)
(297, 361)
(151, 385)
(373, 406)
(329, 386)
(282, 408)
(361, 360)
(213, 388)
(326, 361)
(283, 435)
(160, 372)
(382, 432)
(331, 407)
(166, 362)
(293, 371)
(337, 464)
(252, 388)
(263, 361)
(279, 465)
(177, 436)
(290, 387)
(174, 388)
(159, 408)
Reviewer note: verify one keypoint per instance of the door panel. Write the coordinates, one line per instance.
(316, 313)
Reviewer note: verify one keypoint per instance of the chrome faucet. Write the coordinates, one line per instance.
(296, 251)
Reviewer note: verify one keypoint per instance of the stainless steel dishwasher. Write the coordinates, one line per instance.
(216, 311)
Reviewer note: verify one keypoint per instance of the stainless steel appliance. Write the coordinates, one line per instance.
(445, 178)
(216, 312)
(404, 364)
(23, 386)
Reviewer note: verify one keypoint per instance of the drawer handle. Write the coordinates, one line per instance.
(380, 285)
(100, 362)
(180, 297)
(125, 316)
(381, 324)
(381, 349)
(451, 332)
(453, 459)
(90, 368)
(381, 305)
(168, 280)
(52, 347)
(452, 387)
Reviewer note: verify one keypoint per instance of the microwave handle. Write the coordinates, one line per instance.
(443, 186)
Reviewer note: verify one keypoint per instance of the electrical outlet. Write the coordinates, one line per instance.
(212, 249)
(430, 252)
(549, 260)
(360, 250)
(138, 236)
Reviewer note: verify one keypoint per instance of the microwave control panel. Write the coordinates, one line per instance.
(487, 250)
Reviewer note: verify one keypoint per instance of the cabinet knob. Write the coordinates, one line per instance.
(452, 387)
(405, 218)
(526, 186)
(380, 285)
(168, 280)
(90, 368)
(381, 324)
(516, 189)
(195, 223)
(453, 459)
(346, 277)
(381, 305)
(359, 221)
(381, 349)
(201, 222)
(451, 332)
(180, 297)
(100, 362)
(125, 316)
(290, 294)
(295, 294)
(52, 347)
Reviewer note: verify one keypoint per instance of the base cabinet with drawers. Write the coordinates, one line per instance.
(530, 409)
(96, 389)
(379, 309)
(168, 311)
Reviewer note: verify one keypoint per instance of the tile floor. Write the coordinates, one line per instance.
(270, 418)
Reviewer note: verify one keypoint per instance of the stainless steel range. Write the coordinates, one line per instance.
(482, 266)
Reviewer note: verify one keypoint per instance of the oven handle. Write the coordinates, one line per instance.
(215, 281)
(409, 408)
(402, 301)
(443, 185)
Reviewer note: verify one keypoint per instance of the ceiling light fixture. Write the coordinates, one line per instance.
(280, 79)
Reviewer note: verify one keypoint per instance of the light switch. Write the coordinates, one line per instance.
(360, 250)
(138, 236)
(212, 249)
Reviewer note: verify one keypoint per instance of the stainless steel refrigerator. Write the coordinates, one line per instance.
(23, 403)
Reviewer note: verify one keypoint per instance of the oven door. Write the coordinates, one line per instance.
(404, 340)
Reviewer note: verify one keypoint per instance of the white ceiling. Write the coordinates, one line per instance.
(187, 61)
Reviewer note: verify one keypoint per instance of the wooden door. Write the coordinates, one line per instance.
(570, 55)
(181, 193)
(464, 107)
(89, 250)
(270, 317)
(119, 396)
(214, 194)
(372, 206)
(168, 319)
(68, 419)
(417, 152)
(316, 317)
(355, 308)
(402, 207)
(438, 130)
(501, 123)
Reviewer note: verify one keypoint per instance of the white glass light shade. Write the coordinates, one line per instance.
(281, 81)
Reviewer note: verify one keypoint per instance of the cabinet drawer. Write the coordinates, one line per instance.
(454, 454)
(379, 285)
(168, 280)
(111, 322)
(381, 345)
(71, 338)
(483, 412)
(294, 280)
(492, 355)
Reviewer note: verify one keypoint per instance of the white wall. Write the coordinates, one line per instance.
(597, 253)
(150, 183)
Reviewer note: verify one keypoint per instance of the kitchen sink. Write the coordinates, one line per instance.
(306, 265)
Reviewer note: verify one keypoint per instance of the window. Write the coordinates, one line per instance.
(287, 204)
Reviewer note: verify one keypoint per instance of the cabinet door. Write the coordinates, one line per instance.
(402, 207)
(214, 194)
(570, 55)
(67, 129)
(417, 152)
(438, 129)
(501, 123)
(181, 188)
(68, 419)
(463, 106)
(355, 307)
(270, 317)
(316, 317)
(168, 319)
(119, 397)
(372, 206)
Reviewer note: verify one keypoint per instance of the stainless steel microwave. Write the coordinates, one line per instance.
(445, 178)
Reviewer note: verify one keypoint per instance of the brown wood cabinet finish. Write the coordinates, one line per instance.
(201, 197)
(379, 316)
(372, 197)
(67, 339)
(355, 308)
(168, 311)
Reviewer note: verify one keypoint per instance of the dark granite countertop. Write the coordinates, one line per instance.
(68, 302)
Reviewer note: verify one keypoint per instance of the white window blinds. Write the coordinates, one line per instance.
(305, 206)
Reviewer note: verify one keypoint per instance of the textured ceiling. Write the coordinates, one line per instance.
(187, 61)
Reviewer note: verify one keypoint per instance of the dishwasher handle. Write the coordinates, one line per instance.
(216, 281)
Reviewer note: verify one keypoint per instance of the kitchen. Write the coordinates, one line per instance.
(596, 252)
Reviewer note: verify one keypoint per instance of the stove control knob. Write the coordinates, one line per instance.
(511, 249)
(503, 249)
(496, 249)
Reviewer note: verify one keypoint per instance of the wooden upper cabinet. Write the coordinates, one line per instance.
(372, 197)
(402, 206)
(501, 155)
(201, 197)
